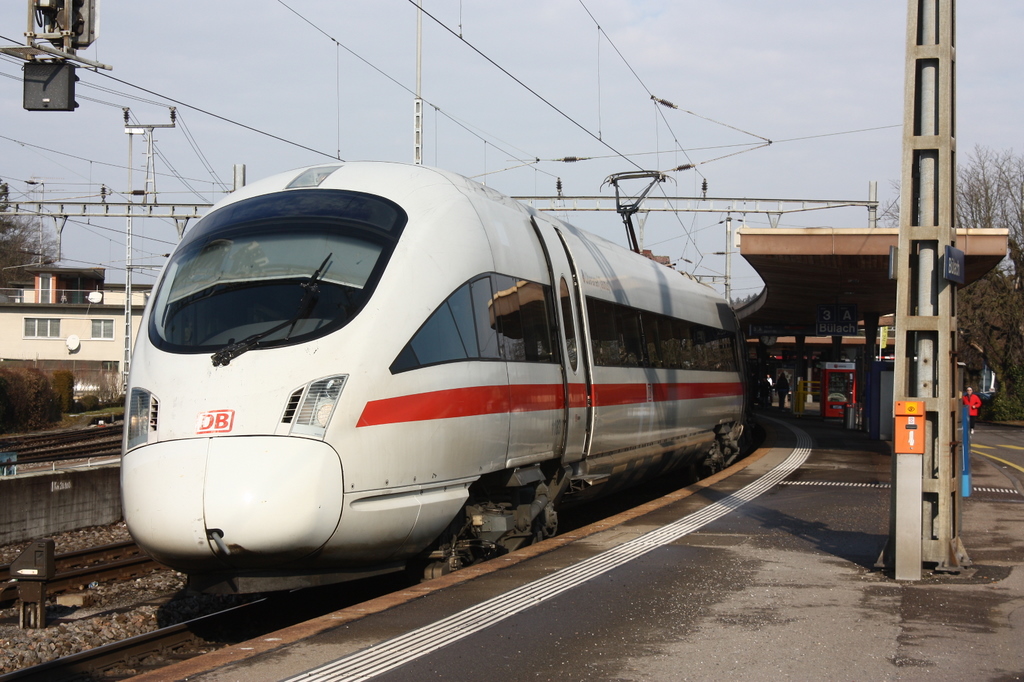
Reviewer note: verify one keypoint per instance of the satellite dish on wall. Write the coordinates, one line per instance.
(95, 297)
(73, 343)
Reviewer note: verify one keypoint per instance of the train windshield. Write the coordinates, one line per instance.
(249, 268)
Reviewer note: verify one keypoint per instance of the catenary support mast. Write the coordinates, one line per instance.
(925, 510)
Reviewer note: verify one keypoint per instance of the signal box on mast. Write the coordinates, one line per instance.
(56, 29)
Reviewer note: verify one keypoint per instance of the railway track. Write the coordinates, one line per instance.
(75, 570)
(65, 445)
(124, 659)
(198, 636)
(41, 442)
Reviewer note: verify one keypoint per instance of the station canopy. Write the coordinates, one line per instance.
(803, 268)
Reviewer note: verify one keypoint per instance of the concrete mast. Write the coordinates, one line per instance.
(925, 510)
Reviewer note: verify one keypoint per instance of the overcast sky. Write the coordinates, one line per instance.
(278, 84)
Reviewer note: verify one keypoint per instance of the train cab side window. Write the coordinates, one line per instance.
(487, 336)
(449, 334)
(493, 317)
(522, 318)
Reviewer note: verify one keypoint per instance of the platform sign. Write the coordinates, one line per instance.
(756, 330)
(953, 265)
(909, 433)
(837, 319)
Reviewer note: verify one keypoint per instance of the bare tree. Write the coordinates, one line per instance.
(990, 312)
(22, 241)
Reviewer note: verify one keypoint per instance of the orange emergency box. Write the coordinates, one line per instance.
(909, 433)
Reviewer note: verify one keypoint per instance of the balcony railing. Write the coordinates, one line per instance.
(70, 297)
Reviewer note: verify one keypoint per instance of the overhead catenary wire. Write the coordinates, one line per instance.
(199, 152)
(108, 164)
(665, 103)
(517, 80)
(601, 32)
(473, 130)
(221, 118)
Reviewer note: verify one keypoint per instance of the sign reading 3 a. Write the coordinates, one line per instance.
(837, 319)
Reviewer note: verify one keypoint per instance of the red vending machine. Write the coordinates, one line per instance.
(838, 388)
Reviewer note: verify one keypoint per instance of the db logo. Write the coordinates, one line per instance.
(217, 421)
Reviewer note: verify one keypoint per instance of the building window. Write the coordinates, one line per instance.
(42, 328)
(103, 329)
(45, 288)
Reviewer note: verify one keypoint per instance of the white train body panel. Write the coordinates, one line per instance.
(353, 444)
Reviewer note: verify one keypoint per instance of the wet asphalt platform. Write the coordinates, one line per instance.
(766, 571)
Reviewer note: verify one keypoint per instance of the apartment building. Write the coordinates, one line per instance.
(69, 319)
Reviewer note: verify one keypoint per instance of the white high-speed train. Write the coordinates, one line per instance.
(349, 368)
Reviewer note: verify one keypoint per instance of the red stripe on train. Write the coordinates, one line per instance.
(480, 400)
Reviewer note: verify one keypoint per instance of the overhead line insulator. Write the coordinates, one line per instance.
(664, 102)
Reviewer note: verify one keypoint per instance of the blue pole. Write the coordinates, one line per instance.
(965, 475)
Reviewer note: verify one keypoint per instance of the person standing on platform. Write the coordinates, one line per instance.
(782, 389)
(973, 403)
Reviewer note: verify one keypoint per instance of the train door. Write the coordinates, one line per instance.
(576, 382)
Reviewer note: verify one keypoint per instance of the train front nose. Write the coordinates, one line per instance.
(242, 502)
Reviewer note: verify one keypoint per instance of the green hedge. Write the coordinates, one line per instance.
(27, 401)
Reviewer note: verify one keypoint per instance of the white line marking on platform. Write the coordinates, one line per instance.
(848, 484)
(388, 655)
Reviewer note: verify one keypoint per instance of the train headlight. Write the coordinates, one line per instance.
(141, 418)
(317, 405)
(323, 413)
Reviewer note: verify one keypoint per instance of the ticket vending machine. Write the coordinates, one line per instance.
(838, 388)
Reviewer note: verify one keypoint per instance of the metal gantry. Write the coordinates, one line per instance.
(774, 209)
(131, 130)
(153, 207)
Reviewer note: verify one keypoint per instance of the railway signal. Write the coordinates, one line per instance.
(56, 29)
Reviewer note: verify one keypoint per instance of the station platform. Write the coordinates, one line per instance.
(764, 571)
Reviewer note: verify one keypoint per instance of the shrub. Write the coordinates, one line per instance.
(1008, 402)
(1005, 407)
(90, 403)
(64, 387)
(27, 400)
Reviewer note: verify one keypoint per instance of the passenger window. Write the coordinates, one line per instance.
(603, 335)
(627, 337)
(649, 325)
(629, 331)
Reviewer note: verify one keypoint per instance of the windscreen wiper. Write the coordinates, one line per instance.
(312, 287)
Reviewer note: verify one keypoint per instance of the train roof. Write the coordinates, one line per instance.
(607, 270)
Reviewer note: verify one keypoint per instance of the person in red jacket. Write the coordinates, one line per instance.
(972, 402)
